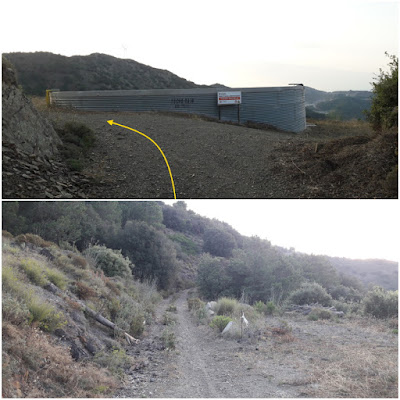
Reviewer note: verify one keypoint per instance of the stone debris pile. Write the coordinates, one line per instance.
(31, 176)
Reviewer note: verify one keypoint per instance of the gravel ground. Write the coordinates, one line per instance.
(207, 159)
(316, 359)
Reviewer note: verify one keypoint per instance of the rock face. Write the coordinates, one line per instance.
(23, 126)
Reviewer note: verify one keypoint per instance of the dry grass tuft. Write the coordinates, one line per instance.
(358, 372)
(84, 292)
(34, 366)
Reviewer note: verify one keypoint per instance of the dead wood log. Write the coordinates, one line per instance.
(97, 316)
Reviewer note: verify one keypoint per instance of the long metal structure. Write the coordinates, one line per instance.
(280, 107)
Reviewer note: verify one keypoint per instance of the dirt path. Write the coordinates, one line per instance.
(316, 359)
(207, 365)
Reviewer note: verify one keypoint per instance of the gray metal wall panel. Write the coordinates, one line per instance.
(282, 107)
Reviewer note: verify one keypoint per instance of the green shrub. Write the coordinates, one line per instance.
(319, 313)
(57, 277)
(10, 279)
(172, 308)
(220, 322)
(226, 306)
(169, 319)
(168, 339)
(195, 304)
(115, 361)
(13, 310)
(341, 306)
(187, 245)
(381, 303)
(129, 315)
(310, 293)
(45, 315)
(270, 308)
(34, 271)
(112, 262)
(260, 307)
(77, 139)
(384, 108)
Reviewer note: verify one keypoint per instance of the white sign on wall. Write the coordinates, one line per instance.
(226, 98)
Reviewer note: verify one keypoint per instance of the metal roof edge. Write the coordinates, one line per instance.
(145, 92)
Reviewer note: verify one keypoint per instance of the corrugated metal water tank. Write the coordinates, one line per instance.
(281, 107)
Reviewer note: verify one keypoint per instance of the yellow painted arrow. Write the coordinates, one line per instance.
(111, 122)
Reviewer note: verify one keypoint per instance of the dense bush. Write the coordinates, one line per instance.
(151, 251)
(310, 293)
(384, 108)
(381, 303)
(77, 140)
(218, 242)
(111, 262)
(212, 278)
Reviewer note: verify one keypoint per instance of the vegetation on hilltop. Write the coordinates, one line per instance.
(42, 70)
(176, 248)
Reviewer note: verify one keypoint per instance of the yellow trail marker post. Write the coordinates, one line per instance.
(111, 122)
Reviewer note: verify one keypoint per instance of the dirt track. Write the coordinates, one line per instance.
(204, 364)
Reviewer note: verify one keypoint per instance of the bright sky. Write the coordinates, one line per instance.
(325, 44)
(357, 229)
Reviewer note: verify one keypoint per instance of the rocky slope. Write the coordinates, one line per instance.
(52, 302)
(32, 164)
(22, 123)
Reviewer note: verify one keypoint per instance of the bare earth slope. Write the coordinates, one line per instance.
(319, 359)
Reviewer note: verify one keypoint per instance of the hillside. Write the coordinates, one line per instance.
(340, 105)
(111, 299)
(371, 272)
(41, 70)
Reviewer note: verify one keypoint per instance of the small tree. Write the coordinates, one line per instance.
(384, 108)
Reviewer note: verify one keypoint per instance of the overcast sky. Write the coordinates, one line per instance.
(325, 44)
(344, 228)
